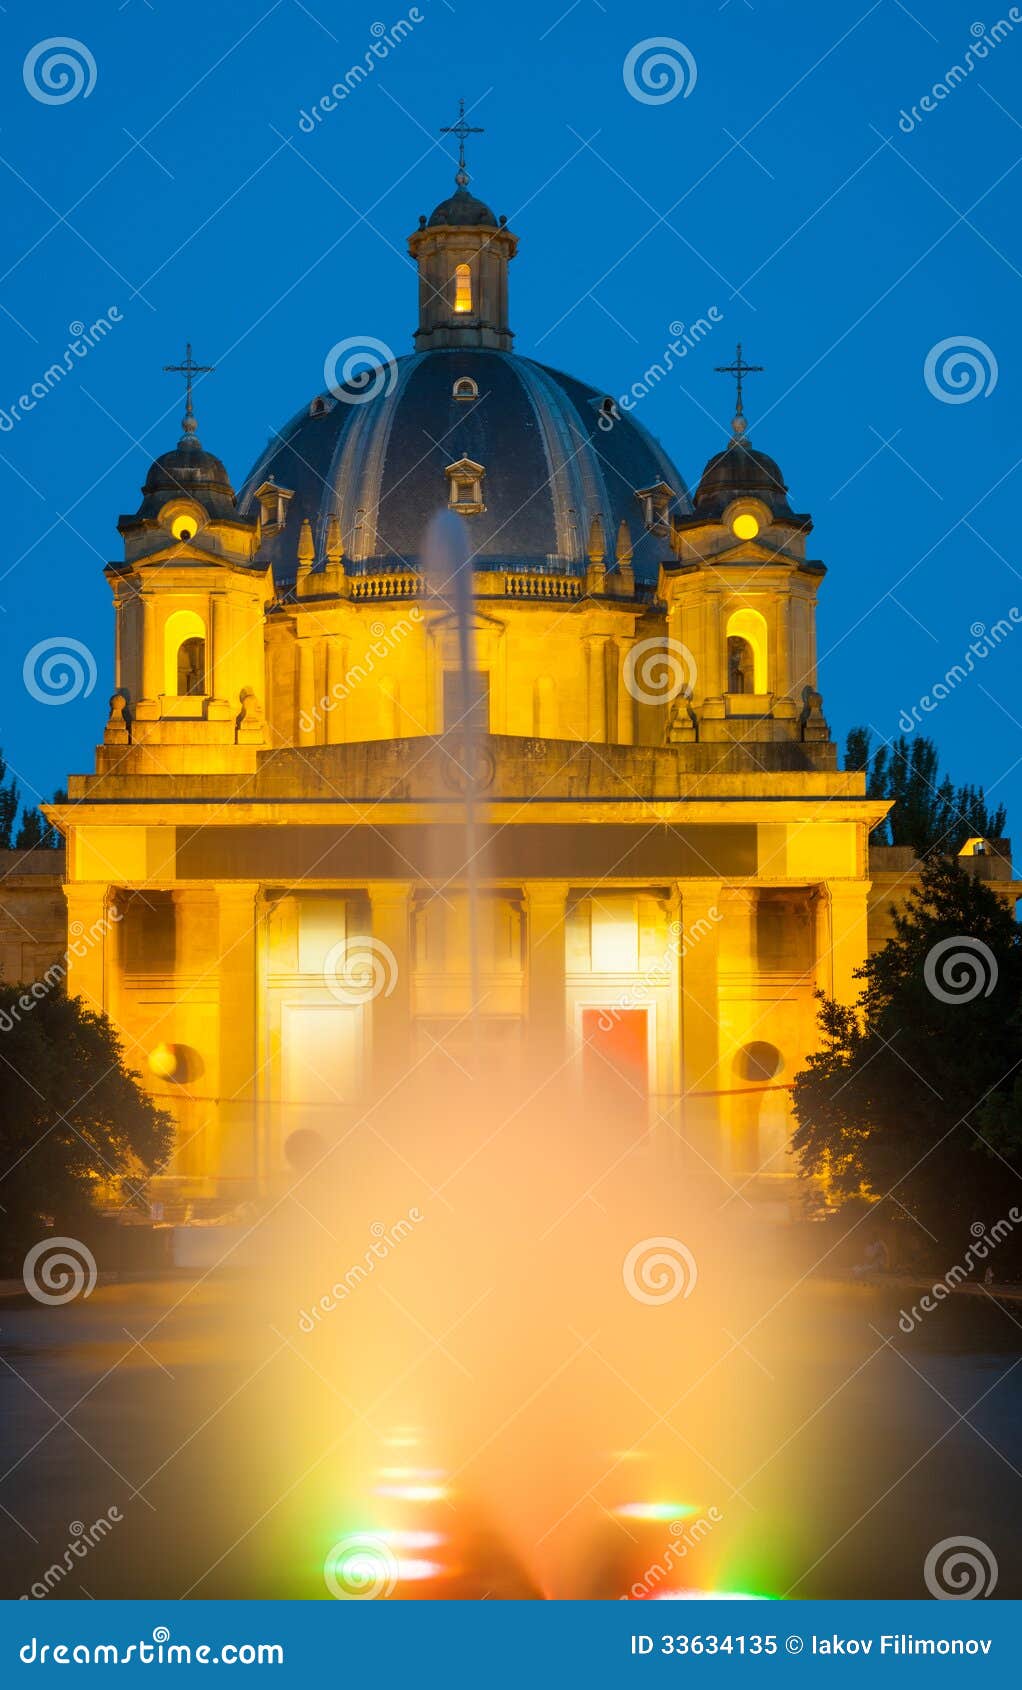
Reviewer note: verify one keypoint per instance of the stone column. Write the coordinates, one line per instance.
(306, 692)
(240, 1086)
(841, 937)
(545, 904)
(335, 710)
(625, 700)
(390, 1008)
(152, 673)
(88, 928)
(596, 659)
(699, 939)
(219, 646)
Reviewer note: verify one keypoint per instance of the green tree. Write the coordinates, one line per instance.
(10, 803)
(929, 812)
(913, 1095)
(72, 1116)
(36, 832)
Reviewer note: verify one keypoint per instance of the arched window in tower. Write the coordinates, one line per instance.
(191, 668)
(746, 635)
(462, 289)
(740, 665)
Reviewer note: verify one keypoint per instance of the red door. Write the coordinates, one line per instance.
(615, 1055)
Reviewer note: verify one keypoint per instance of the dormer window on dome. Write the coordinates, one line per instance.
(465, 388)
(465, 487)
(656, 504)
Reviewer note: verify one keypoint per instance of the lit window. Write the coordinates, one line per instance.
(183, 527)
(462, 288)
(740, 665)
(745, 526)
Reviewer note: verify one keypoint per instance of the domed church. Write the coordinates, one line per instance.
(269, 863)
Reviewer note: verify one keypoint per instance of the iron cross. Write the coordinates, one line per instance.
(461, 129)
(738, 369)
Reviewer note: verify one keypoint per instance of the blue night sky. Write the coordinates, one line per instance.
(183, 192)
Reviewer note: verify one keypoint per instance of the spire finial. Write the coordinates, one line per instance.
(188, 368)
(738, 369)
(461, 129)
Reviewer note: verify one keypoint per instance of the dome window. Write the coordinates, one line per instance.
(462, 289)
(745, 526)
(183, 527)
(465, 486)
(273, 503)
(656, 503)
(319, 407)
(465, 388)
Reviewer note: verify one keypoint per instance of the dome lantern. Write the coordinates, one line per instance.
(462, 252)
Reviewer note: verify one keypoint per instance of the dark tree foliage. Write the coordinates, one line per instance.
(72, 1117)
(929, 813)
(35, 830)
(10, 803)
(915, 1095)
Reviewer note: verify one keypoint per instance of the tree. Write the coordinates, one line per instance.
(72, 1117)
(10, 803)
(910, 1098)
(929, 812)
(35, 831)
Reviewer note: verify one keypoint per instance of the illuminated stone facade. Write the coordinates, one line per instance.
(668, 859)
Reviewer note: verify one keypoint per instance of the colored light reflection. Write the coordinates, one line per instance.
(414, 1493)
(711, 1596)
(418, 1473)
(414, 1571)
(656, 1510)
(412, 1540)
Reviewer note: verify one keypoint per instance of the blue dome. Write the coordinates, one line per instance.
(549, 467)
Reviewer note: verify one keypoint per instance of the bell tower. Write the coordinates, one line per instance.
(462, 252)
(740, 594)
(189, 602)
